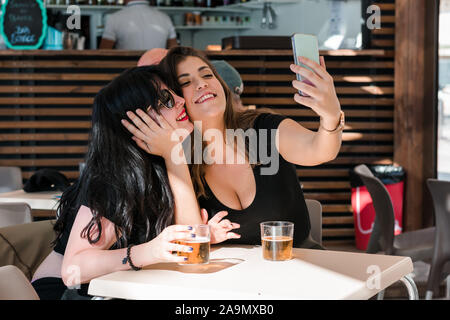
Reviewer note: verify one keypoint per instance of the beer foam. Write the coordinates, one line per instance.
(277, 238)
(198, 240)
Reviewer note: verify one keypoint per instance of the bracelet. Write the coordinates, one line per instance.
(128, 258)
(340, 125)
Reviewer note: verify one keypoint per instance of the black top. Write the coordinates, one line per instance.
(278, 196)
(61, 244)
(139, 234)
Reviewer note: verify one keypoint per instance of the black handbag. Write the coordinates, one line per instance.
(46, 180)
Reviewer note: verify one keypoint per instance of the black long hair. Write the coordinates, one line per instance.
(120, 181)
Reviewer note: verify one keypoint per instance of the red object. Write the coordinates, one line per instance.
(364, 212)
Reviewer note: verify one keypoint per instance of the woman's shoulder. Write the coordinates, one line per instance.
(268, 120)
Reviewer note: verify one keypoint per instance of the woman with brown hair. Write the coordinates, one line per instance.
(265, 185)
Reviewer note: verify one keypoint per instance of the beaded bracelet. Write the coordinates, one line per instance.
(128, 258)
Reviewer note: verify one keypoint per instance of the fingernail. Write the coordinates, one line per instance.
(185, 259)
(191, 249)
(189, 228)
(193, 235)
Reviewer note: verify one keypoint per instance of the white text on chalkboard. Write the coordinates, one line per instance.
(22, 35)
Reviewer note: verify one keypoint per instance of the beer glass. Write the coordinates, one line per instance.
(277, 239)
(200, 245)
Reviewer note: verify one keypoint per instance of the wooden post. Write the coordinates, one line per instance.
(415, 104)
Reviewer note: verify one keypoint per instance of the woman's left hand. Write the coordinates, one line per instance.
(220, 228)
(322, 94)
(153, 137)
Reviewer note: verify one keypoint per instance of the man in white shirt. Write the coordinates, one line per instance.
(138, 26)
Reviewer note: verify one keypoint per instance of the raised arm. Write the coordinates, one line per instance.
(303, 146)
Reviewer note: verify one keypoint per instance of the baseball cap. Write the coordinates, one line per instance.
(230, 75)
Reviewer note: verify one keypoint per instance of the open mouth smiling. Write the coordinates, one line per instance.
(205, 97)
(182, 116)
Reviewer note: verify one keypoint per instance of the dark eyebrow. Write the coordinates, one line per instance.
(187, 74)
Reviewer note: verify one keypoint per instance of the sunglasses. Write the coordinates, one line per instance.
(166, 99)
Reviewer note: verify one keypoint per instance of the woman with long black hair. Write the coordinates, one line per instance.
(120, 213)
(266, 187)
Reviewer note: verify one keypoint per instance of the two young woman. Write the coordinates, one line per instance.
(132, 201)
(243, 190)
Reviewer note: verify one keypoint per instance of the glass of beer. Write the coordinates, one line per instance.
(277, 239)
(199, 244)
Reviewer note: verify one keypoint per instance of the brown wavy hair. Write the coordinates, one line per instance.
(233, 118)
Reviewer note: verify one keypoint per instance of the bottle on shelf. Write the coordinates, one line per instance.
(200, 3)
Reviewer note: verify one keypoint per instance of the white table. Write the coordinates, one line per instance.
(46, 200)
(240, 272)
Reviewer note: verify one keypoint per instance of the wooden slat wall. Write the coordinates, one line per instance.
(46, 105)
(384, 38)
(45, 109)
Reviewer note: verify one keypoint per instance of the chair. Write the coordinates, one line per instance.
(440, 193)
(315, 218)
(415, 244)
(10, 179)
(418, 244)
(14, 285)
(14, 213)
(26, 245)
(314, 240)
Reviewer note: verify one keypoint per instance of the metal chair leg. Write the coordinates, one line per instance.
(447, 293)
(380, 295)
(411, 286)
(429, 293)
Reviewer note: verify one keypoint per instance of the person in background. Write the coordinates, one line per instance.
(228, 73)
(151, 57)
(138, 26)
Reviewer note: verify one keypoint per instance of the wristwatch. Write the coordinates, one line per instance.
(340, 125)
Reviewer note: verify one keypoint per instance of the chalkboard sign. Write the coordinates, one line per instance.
(23, 24)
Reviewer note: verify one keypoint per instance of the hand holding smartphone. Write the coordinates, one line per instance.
(305, 45)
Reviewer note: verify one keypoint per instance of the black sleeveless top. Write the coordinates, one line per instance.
(278, 196)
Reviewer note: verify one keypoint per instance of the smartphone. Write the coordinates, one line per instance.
(305, 45)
